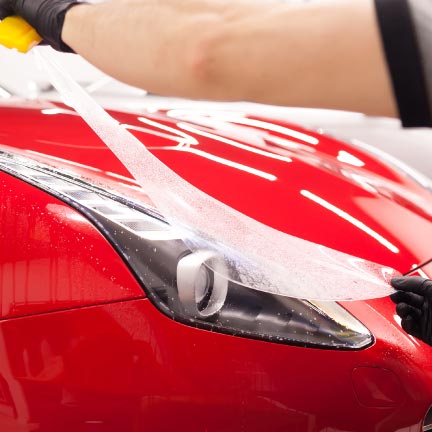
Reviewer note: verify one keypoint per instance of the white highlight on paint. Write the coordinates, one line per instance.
(352, 220)
(55, 111)
(229, 163)
(187, 139)
(350, 159)
(257, 255)
(233, 143)
(239, 119)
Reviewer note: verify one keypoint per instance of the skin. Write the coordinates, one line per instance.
(323, 54)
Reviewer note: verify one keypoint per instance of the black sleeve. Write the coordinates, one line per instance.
(406, 45)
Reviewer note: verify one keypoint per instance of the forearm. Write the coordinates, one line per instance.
(149, 44)
(324, 54)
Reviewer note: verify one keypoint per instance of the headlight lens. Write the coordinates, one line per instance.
(193, 287)
(202, 292)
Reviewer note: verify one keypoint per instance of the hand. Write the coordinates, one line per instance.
(46, 16)
(414, 306)
(5, 9)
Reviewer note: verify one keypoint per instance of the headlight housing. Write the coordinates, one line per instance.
(193, 287)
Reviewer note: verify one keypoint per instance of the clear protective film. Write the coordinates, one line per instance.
(253, 254)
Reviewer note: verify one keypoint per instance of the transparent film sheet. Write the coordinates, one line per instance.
(257, 256)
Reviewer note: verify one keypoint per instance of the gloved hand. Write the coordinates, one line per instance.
(5, 9)
(414, 306)
(46, 16)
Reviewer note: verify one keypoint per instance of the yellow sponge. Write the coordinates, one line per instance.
(16, 33)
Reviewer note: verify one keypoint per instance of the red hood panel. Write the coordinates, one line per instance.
(300, 182)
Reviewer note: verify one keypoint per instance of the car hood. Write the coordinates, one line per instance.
(298, 181)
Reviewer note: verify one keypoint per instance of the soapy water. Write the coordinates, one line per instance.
(255, 255)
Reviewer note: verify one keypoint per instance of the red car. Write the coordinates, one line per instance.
(94, 332)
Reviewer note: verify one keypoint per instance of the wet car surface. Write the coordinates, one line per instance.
(93, 336)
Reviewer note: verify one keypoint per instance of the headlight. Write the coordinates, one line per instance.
(193, 287)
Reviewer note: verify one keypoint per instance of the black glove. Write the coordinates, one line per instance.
(46, 16)
(414, 306)
(5, 9)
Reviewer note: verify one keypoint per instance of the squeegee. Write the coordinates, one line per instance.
(16, 33)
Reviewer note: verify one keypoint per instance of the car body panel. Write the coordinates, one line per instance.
(126, 366)
(371, 204)
(52, 257)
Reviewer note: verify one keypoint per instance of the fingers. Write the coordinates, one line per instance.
(411, 326)
(412, 299)
(404, 310)
(5, 10)
(413, 284)
(411, 319)
(3, 14)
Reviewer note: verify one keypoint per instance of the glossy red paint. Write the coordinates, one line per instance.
(125, 366)
(52, 258)
(375, 195)
(376, 387)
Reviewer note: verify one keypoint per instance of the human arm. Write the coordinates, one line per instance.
(324, 53)
(321, 54)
